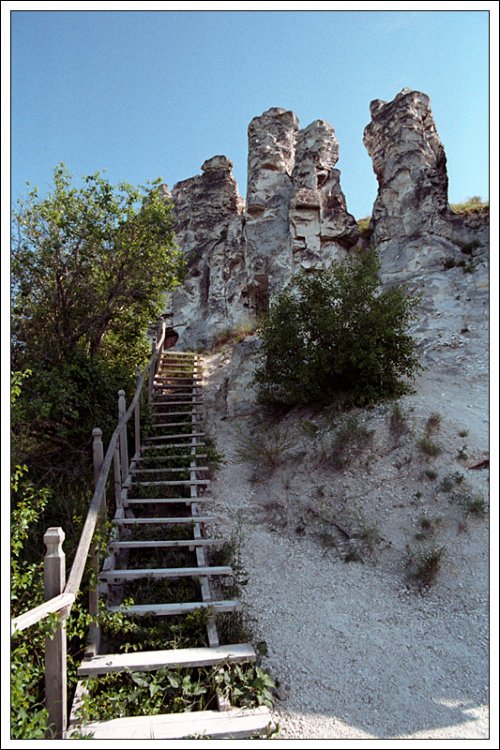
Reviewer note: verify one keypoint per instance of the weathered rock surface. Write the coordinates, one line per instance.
(271, 153)
(409, 162)
(439, 254)
(208, 218)
(321, 229)
(295, 218)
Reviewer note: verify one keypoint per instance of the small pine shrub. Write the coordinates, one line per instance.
(335, 335)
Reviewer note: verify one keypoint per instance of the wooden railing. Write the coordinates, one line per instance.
(59, 594)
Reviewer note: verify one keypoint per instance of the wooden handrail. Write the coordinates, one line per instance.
(78, 567)
(65, 600)
(32, 616)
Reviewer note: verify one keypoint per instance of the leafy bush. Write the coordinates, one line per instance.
(336, 335)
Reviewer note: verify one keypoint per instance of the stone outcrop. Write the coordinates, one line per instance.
(208, 213)
(295, 218)
(412, 223)
(271, 153)
(321, 229)
(440, 255)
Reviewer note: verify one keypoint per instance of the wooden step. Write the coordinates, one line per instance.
(174, 455)
(172, 521)
(186, 423)
(162, 378)
(233, 724)
(175, 436)
(163, 404)
(128, 574)
(167, 543)
(178, 353)
(176, 482)
(165, 500)
(179, 414)
(148, 661)
(160, 471)
(179, 608)
(175, 445)
(176, 387)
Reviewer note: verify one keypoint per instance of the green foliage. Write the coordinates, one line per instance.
(28, 714)
(423, 566)
(335, 335)
(263, 450)
(350, 438)
(473, 204)
(429, 447)
(89, 266)
(398, 423)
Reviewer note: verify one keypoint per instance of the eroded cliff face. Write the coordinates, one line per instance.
(321, 229)
(208, 214)
(440, 255)
(411, 220)
(295, 218)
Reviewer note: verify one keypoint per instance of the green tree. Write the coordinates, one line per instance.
(90, 265)
(337, 336)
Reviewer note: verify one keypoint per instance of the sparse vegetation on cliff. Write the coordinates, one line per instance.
(336, 336)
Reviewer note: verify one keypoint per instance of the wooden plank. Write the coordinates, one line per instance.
(187, 376)
(176, 424)
(168, 543)
(173, 445)
(160, 471)
(181, 414)
(127, 574)
(180, 520)
(148, 661)
(162, 501)
(176, 482)
(234, 724)
(186, 435)
(160, 404)
(56, 604)
(180, 608)
(174, 455)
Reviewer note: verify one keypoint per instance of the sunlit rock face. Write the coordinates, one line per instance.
(295, 218)
(208, 221)
(296, 221)
(321, 229)
(409, 162)
(437, 253)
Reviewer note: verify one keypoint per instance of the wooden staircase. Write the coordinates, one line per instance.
(159, 517)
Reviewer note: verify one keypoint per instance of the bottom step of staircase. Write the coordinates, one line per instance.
(149, 661)
(235, 723)
(182, 608)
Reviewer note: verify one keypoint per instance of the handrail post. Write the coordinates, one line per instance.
(117, 475)
(152, 370)
(55, 645)
(98, 456)
(137, 416)
(122, 408)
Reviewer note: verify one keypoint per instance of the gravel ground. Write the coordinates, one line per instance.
(359, 652)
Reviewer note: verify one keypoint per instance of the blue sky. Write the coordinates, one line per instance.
(148, 94)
